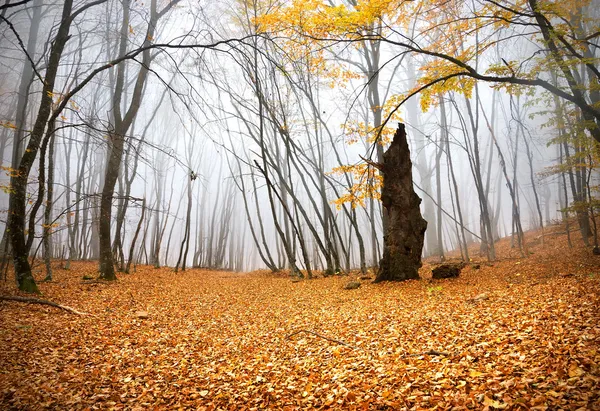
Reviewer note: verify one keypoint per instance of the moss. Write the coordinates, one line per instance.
(107, 272)
(352, 285)
(451, 270)
(27, 284)
(109, 277)
(329, 272)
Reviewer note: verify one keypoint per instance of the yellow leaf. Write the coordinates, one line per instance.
(575, 371)
(493, 403)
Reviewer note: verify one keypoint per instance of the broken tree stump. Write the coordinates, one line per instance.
(405, 230)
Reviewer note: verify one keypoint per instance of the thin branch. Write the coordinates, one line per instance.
(42, 302)
(85, 7)
(23, 48)
(430, 352)
(9, 5)
(445, 212)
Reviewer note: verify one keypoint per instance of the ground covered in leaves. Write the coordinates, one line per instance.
(217, 340)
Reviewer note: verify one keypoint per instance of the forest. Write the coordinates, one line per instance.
(298, 204)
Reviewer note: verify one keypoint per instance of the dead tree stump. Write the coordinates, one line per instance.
(405, 232)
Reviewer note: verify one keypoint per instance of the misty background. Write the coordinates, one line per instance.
(233, 159)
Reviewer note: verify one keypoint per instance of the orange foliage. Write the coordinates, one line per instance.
(217, 340)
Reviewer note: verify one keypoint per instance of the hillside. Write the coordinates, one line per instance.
(519, 333)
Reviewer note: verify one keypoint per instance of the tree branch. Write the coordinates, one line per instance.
(9, 5)
(23, 48)
(42, 302)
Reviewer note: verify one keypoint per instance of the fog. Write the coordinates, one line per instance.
(233, 137)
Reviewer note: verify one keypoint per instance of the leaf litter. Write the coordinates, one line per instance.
(210, 340)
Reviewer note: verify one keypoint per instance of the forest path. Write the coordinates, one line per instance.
(220, 339)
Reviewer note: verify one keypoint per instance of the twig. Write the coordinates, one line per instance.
(556, 233)
(95, 282)
(430, 352)
(321, 336)
(42, 302)
(371, 163)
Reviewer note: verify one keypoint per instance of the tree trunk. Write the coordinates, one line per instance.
(135, 236)
(183, 251)
(107, 269)
(27, 76)
(405, 232)
(18, 183)
(438, 184)
(121, 128)
(453, 175)
(47, 239)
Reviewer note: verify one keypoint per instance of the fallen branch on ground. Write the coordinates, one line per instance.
(42, 302)
(96, 282)
(556, 233)
(430, 352)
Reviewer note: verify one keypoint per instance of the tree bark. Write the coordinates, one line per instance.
(135, 236)
(121, 128)
(405, 232)
(185, 244)
(18, 183)
(47, 238)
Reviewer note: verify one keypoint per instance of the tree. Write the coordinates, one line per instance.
(122, 123)
(565, 37)
(456, 37)
(18, 183)
(404, 235)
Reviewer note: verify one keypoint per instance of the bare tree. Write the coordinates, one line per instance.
(122, 123)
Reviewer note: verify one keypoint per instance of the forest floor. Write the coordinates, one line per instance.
(221, 340)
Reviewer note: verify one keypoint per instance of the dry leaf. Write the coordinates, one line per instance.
(218, 340)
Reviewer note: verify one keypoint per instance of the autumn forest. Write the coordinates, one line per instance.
(288, 204)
